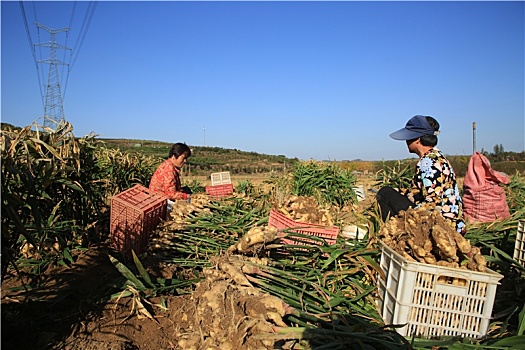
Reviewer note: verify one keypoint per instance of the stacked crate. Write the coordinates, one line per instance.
(135, 214)
(221, 185)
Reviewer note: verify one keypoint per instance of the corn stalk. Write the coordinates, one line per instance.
(123, 170)
(50, 197)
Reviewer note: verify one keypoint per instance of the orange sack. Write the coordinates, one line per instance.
(484, 199)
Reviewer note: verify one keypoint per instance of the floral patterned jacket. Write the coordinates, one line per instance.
(434, 186)
(166, 180)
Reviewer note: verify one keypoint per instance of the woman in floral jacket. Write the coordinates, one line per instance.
(434, 184)
(166, 179)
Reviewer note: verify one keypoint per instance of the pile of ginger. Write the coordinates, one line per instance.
(305, 209)
(427, 237)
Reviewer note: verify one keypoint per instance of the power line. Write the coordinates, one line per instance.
(32, 48)
(70, 51)
(80, 39)
(84, 29)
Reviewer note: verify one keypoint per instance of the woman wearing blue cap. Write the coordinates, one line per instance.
(434, 184)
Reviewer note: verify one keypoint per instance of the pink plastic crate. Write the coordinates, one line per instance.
(281, 222)
(220, 190)
(135, 214)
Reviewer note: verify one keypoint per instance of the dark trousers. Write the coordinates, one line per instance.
(392, 202)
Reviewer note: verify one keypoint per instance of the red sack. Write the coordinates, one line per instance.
(483, 199)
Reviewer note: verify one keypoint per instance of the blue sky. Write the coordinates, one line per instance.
(321, 80)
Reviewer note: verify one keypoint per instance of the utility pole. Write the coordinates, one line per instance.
(54, 103)
(473, 137)
(204, 136)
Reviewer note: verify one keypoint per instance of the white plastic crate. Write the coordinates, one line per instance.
(222, 178)
(519, 247)
(432, 301)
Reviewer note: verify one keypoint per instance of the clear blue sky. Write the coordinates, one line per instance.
(321, 80)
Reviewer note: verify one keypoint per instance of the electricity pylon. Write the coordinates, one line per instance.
(54, 103)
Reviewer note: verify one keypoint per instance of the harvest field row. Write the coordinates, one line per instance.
(216, 274)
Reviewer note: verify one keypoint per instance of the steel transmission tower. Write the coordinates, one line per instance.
(54, 103)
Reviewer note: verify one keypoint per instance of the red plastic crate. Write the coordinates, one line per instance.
(220, 190)
(135, 214)
(281, 222)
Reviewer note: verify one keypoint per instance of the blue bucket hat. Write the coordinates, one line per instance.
(416, 127)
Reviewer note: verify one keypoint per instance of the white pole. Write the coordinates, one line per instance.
(473, 137)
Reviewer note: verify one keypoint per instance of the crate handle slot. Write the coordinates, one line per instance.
(452, 280)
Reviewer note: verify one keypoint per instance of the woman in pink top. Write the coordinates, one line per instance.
(166, 179)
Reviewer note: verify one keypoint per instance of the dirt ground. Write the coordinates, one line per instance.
(64, 308)
(52, 305)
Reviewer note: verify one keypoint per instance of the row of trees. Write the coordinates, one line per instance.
(499, 154)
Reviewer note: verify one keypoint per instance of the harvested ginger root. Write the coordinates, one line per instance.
(427, 237)
(255, 237)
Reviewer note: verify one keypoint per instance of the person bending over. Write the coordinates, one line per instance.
(166, 179)
(434, 184)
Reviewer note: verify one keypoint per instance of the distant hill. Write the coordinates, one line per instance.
(204, 160)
